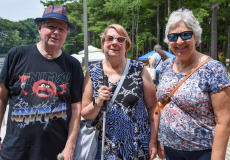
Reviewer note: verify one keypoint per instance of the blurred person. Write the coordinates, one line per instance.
(131, 130)
(194, 125)
(156, 60)
(44, 87)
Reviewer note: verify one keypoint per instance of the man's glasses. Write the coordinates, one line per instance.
(172, 37)
(53, 27)
(110, 39)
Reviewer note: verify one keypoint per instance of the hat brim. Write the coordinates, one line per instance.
(70, 25)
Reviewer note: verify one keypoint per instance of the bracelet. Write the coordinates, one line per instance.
(95, 104)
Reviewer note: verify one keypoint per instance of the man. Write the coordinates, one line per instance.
(44, 87)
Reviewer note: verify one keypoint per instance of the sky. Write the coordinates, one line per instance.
(16, 10)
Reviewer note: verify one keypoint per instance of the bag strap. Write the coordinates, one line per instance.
(118, 86)
(158, 63)
(167, 99)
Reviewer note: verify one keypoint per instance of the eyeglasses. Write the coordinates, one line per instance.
(53, 27)
(110, 39)
(184, 35)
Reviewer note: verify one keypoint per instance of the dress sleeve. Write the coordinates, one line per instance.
(77, 83)
(218, 78)
(7, 69)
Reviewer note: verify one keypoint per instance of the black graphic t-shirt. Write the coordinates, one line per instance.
(41, 91)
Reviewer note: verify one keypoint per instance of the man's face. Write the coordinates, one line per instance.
(53, 33)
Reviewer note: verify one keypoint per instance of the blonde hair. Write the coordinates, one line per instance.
(121, 31)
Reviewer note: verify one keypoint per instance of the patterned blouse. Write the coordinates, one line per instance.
(187, 121)
(127, 124)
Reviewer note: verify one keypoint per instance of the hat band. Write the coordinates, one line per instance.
(53, 15)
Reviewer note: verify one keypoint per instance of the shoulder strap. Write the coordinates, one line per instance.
(119, 85)
(158, 63)
(167, 99)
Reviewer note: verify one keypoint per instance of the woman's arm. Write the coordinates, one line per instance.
(89, 112)
(221, 107)
(151, 104)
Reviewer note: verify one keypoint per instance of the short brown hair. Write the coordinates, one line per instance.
(121, 31)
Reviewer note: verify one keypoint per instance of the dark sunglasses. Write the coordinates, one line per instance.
(184, 35)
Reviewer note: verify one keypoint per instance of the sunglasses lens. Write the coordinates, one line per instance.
(186, 35)
(172, 37)
(121, 39)
(109, 39)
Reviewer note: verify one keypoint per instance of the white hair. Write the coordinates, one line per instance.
(188, 18)
(157, 46)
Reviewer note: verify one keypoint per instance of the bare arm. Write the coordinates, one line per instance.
(74, 126)
(152, 62)
(89, 112)
(3, 102)
(151, 104)
(221, 108)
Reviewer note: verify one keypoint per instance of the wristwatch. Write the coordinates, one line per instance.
(95, 104)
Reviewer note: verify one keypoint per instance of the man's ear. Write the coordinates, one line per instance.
(39, 28)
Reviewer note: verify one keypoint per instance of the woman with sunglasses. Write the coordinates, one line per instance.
(130, 130)
(195, 124)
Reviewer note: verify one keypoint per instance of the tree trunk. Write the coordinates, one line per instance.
(137, 34)
(225, 46)
(164, 27)
(94, 37)
(158, 24)
(133, 32)
(214, 51)
(228, 52)
(169, 12)
(169, 7)
(94, 34)
(180, 4)
(89, 33)
(151, 31)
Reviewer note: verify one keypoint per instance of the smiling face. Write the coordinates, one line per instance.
(113, 49)
(54, 38)
(183, 49)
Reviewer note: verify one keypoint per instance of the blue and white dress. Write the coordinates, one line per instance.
(127, 123)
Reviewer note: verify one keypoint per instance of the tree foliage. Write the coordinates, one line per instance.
(138, 17)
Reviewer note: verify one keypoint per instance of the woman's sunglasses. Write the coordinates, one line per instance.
(110, 39)
(184, 35)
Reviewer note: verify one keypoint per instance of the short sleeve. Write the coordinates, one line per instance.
(77, 84)
(218, 77)
(156, 57)
(6, 69)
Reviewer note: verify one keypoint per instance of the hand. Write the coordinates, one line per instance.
(160, 151)
(68, 155)
(152, 150)
(103, 94)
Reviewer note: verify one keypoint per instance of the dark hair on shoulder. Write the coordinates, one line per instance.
(162, 54)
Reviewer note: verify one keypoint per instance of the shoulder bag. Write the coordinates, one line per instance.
(167, 99)
(87, 141)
